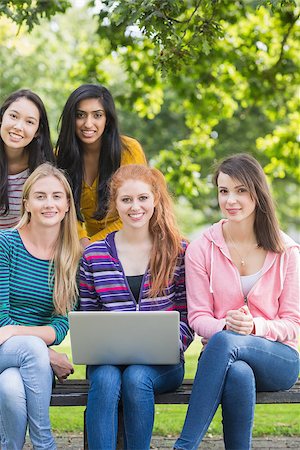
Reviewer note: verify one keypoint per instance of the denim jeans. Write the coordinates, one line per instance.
(136, 384)
(230, 371)
(25, 392)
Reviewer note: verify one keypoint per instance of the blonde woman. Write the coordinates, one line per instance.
(38, 266)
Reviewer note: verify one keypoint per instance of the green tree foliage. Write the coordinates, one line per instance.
(30, 12)
(57, 56)
(233, 67)
(53, 59)
(180, 30)
(205, 78)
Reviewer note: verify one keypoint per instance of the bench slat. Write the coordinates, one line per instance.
(74, 393)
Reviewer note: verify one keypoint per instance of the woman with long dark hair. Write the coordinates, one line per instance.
(90, 148)
(24, 144)
(243, 299)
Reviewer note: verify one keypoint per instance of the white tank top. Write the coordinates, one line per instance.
(248, 281)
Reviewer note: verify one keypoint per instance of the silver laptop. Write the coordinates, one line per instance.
(125, 337)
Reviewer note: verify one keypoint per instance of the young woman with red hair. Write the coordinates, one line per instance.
(140, 267)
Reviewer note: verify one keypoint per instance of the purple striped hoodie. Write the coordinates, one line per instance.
(104, 287)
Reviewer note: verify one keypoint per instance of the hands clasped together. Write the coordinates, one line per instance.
(240, 320)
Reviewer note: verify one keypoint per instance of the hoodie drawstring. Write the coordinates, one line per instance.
(281, 263)
(211, 267)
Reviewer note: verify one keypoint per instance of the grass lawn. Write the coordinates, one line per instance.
(273, 420)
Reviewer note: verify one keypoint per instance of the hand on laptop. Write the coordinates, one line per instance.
(60, 364)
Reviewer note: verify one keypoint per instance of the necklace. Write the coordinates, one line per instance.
(242, 258)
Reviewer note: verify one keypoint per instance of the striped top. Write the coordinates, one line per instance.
(15, 186)
(104, 287)
(25, 295)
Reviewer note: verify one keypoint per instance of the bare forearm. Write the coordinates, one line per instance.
(46, 333)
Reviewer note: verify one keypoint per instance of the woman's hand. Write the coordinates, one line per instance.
(240, 321)
(60, 364)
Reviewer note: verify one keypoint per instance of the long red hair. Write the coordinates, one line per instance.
(167, 240)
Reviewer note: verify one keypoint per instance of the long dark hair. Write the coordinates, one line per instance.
(247, 170)
(70, 150)
(39, 149)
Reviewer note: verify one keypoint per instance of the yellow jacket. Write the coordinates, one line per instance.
(95, 229)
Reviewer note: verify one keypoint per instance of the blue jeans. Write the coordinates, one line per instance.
(137, 385)
(230, 371)
(25, 392)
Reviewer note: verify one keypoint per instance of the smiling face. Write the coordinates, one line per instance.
(234, 199)
(47, 202)
(19, 125)
(135, 204)
(90, 121)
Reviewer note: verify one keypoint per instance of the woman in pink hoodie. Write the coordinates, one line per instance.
(243, 299)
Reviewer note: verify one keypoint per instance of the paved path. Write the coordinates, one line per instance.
(75, 442)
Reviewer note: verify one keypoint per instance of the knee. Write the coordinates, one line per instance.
(135, 379)
(240, 369)
(31, 352)
(35, 344)
(11, 388)
(32, 345)
(35, 348)
(104, 378)
(223, 341)
(240, 374)
(239, 387)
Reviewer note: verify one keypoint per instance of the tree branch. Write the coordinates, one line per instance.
(284, 40)
(187, 21)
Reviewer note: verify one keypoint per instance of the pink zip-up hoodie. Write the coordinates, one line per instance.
(214, 287)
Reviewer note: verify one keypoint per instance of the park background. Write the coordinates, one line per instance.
(193, 81)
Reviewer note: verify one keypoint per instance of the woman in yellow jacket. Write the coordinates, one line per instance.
(90, 149)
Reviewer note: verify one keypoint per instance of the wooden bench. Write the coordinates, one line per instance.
(74, 393)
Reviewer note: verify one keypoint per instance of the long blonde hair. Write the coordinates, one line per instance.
(167, 240)
(67, 250)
